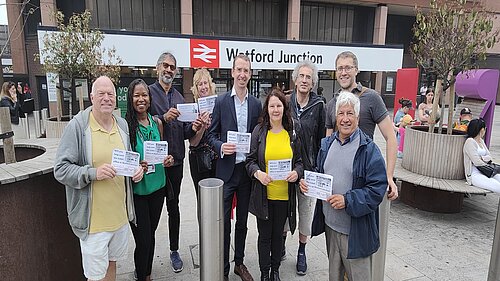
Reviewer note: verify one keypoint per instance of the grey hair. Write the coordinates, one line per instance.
(163, 56)
(348, 98)
(309, 64)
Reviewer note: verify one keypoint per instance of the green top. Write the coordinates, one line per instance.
(151, 182)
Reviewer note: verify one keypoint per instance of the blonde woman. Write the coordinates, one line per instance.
(201, 156)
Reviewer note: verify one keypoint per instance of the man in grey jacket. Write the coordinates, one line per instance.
(98, 201)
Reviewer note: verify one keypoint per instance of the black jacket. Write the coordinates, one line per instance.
(258, 205)
(14, 109)
(310, 127)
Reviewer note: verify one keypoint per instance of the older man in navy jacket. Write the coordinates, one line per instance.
(236, 111)
(349, 217)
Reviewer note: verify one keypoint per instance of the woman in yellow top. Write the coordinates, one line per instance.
(272, 200)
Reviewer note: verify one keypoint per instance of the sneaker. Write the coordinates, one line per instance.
(176, 262)
(301, 264)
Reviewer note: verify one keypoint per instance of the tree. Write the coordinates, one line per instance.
(451, 38)
(75, 51)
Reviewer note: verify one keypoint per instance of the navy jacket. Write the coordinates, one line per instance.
(223, 120)
(369, 185)
(175, 131)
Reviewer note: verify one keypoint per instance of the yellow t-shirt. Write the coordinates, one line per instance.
(108, 211)
(277, 148)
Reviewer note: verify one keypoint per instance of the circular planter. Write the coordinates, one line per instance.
(54, 128)
(434, 155)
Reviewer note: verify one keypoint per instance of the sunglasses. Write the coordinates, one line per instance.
(167, 66)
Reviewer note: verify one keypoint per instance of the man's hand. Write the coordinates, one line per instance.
(171, 114)
(228, 148)
(106, 171)
(168, 161)
(337, 201)
(292, 176)
(139, 173)
(264, 178)
(303, 186)
(392, 192)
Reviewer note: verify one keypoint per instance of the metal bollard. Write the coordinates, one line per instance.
(45, 116)
(25, 124)
(378, 258)
(494, 271)
(36, 116)
(211, 230)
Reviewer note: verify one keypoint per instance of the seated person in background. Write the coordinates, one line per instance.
(405, 121)
(477, 154)
(406, 106)
(463, 120)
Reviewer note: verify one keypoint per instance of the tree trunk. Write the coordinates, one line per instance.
(437, 95)
(451, 109)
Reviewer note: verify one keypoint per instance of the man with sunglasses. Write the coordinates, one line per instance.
(164, 100)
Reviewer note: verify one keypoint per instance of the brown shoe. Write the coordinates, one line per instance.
(242, 271)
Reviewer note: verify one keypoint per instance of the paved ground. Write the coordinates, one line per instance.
(422, 246)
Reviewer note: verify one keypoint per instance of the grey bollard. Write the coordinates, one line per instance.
(494, 271)
(211, 229)
(45, 116)
(378, 259)
(25, 125)
(36, 116)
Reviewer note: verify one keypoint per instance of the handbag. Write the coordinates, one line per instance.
(490, 169)
(204, 156)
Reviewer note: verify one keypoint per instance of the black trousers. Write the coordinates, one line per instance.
(270, 241)
(174, 175)
(238, 184)
(148, 211)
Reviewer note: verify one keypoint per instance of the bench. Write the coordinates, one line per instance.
(433, 194)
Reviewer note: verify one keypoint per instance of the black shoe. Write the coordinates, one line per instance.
(301, 264)
(275, 275)
(264, 276)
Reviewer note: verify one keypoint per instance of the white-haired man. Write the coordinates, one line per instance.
(349, 217)
(99, 202)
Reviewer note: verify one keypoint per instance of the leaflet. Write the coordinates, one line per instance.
(279, 169)
(155, 151)
(242, 140)
(320, 185)
(207, 104)
(125, 162)
(188, 111)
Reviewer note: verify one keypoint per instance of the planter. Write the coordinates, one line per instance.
(54, 128)
(36, 241)
(434, 155)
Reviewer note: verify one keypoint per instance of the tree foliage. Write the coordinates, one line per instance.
(75, 50)
(452, 36)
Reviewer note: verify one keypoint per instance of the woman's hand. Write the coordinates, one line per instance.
(168, 161)
(139, 173)
(292, 176)
(264, 178)
(144, 165)
(303, 186)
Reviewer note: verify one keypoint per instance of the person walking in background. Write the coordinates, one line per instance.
(201, 156)
(273, 200)
(405, 121)
(149, 193)
(349, 217)
(164, 99)
(99, 202)
(235, 111)
(476, 154)
(308, 113)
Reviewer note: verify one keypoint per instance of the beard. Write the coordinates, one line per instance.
(167, 80)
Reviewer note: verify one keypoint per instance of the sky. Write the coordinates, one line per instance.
(3, 13)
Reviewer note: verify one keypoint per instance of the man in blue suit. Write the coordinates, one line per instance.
(236, 111)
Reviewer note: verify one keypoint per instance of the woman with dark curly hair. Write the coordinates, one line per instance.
(272, 201)
(149, 193)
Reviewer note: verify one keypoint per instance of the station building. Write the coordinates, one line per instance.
(275, 33)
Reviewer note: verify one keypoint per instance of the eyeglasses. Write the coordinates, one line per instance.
(167, 66)
(347, 68)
